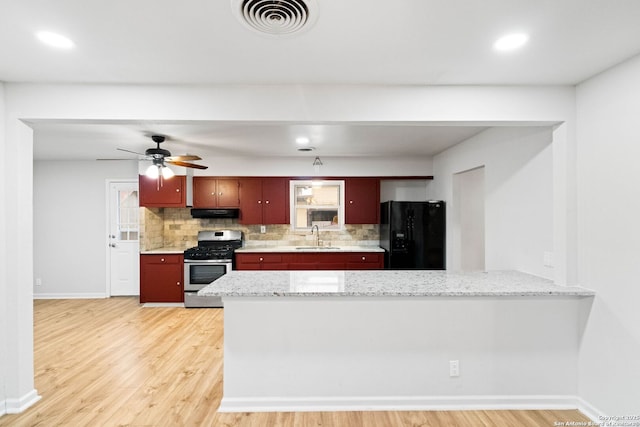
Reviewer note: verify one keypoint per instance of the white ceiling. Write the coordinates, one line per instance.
(399, 42)
(100, 141)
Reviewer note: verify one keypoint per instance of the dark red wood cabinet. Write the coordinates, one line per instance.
(362, 200)
(210, 192)
(264, 201)
(310, 261)
(262, 261)
(365, 261)
(170, 194)
(161, 278)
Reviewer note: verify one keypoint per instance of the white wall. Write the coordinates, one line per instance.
(17, 273)
(608, 108)
(303, 167)
(467, 228)
(518, 195)
(405, 190)
(3, 260)
(70, 215)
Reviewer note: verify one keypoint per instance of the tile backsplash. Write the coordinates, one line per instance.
(175, 228)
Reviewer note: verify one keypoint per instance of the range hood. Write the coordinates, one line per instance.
(215, 213)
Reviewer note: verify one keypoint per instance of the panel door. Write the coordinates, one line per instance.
(162, 193)
(250, 201)
(204, 192)
(161, 278)
(362, 201)
(275, 194)
(124, 247)
(228, 193)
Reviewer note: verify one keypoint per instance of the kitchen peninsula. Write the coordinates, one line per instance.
(389, 339)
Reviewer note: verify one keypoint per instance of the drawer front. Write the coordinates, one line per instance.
(364, 257)
(162, 259)
(259, 258)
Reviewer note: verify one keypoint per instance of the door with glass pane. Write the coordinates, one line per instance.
(123, 239)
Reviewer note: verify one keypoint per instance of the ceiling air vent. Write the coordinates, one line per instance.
(276, 17)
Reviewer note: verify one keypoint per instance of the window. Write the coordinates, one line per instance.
(128, 214)
(318, 203)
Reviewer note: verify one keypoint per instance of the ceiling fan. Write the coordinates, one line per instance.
(160, 156)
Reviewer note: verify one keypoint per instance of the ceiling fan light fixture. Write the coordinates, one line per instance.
(167, 173)
(153, 171)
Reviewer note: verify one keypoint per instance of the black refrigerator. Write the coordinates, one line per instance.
(413, 234)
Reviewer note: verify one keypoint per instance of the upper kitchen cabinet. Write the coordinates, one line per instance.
(362, 200)
(209, 192)
(264, 201)
(169, 193)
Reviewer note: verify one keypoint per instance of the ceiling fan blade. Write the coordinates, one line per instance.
(186, 164)
(129, 151)
(182, 158)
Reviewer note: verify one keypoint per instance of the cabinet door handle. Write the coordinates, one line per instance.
(261, 259)
(267, 202)
(177, 190)
(178, 283)
(364, 258)
(259, 201)
(350, 202)
(161, 259)
(220, 194)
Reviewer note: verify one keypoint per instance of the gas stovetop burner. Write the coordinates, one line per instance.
(215, 245)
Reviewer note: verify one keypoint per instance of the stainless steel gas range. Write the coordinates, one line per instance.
(207, 262)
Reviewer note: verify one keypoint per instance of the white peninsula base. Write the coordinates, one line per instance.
(393, 353)
(384, 340)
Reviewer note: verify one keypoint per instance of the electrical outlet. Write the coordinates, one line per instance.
(38, 282)
(454, 368)
(263, 229)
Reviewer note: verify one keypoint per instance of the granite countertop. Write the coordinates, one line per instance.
(372, 283)
(310, 248)
(160, 251)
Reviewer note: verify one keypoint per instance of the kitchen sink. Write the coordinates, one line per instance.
(321, 248)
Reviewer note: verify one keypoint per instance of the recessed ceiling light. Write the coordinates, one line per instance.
(511, 42)
(55, 40)
(303, 140)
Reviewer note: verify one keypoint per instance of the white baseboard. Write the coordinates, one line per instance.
(590, 411)
(398, 403)
(15, 406)
(71, 296)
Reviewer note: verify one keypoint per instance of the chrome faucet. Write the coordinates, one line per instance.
(317, 234)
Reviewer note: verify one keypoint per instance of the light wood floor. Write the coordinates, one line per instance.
(113, 363)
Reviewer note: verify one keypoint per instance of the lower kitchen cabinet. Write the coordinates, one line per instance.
(262, 261)
(365, 261)
(161, 278)
(310, 261)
